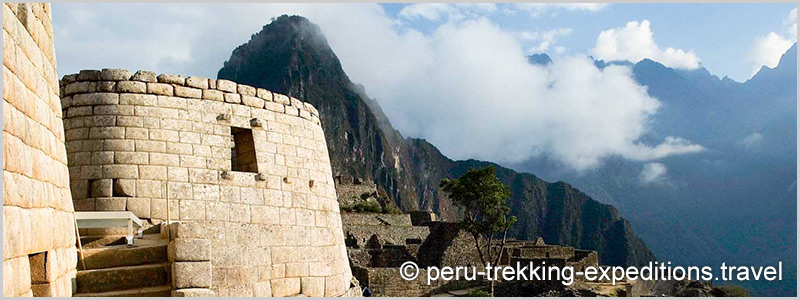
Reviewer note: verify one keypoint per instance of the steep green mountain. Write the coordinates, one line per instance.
(292, 56)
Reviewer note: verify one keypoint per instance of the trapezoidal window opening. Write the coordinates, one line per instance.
(243, 153)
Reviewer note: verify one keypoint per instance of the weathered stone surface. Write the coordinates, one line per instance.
(284, 287)
(159, 89)
(37, 208)
(89, 75)
(197, 82)
(226, 85)
(191, 274)
(246, 90)
(259, 232)
(115, 74)
(131, 87)
(171, 79)
(193, 292)
(186, 249)
(146, 76)
(313, 286)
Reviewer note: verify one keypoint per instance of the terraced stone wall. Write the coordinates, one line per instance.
(39, 257)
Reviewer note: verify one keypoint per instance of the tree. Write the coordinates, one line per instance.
(483, 197)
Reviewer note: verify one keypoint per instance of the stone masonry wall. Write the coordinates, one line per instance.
(138, 141)
(39, 256)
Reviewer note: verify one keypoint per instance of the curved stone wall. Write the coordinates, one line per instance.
(138, 141)
(39, 255)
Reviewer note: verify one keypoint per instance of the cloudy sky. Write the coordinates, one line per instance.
(474, 92)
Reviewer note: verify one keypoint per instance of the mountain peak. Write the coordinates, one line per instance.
(291, 56)
(539, 59)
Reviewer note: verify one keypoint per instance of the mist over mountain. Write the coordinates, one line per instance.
(291, 56)
(736, 201)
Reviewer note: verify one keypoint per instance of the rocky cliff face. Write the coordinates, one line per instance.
(291, 56)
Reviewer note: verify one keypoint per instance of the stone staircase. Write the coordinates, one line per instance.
(113, 269)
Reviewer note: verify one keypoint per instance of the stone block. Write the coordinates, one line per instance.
(150, 188)
(89, 75)
(115, 74)
(187, 249)
(283, 287)
(334, 286)
(111, 204)
(188, 230)
(130, 121)
(313, 286)
(274, 106)
(233, 98)
(160, 89)
(251, 196)
(191, 274)
(213, 95)
(226, 85)
(131, 158)
(246, 90)
(252, 101)
(264, 94)
(139, 207)
(281, 98)
(192, 210)
(150, 146)
(197, 82)
(153, 172)
(178, 174)
(146, 76)
(187, 92)
(101, 188)
(117, 145)
(137, 99)
(193, 292)
(297, 269)
(262, 289)
(171, 79)
(124, 188)
(163, 159)
(95, 99)
(121, 171)
(260, 214)
(136, 87)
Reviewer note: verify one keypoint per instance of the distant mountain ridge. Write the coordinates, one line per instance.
(736, 201)
(291, 56)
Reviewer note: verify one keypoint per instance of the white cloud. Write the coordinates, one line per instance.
(791, 22)
(474, 96)
(635, 42)
(540, 9)
(544, 40)
(768, 49)
(752, 140)
(653, 173)
(443, 11)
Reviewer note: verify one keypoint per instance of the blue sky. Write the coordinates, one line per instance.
(721, 35)
(464, 62)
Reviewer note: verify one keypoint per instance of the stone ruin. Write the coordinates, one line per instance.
(378, 244)
(245, 173)
(233, 183)
(39, 255)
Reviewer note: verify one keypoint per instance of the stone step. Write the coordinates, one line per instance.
(123, 278)
(156, 291)
(143, 252)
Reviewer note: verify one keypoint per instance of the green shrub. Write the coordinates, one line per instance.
(730, 291)
(477, 293)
